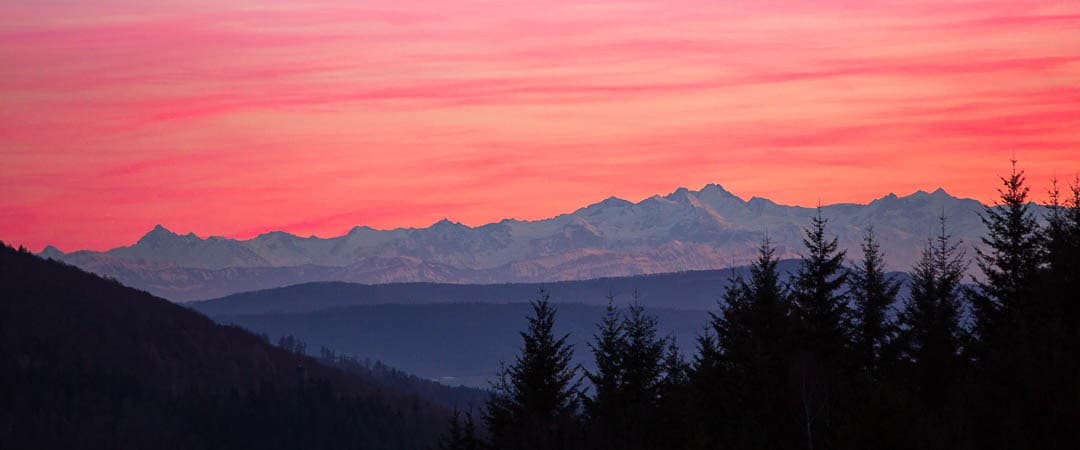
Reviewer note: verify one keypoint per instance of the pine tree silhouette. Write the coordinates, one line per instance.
(820, 310)
(1010, 265)
(461, 433)
(643, 369)
(606, 402)
(630, 368)
(818, 299)
(535, 402)
(754, 347)
(455, 434)
(873, 293)
(930, 334)
(1058, 333)
(675, 406)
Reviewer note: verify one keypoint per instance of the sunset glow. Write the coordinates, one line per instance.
(235, 118)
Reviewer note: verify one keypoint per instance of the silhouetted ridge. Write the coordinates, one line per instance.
(89, 363)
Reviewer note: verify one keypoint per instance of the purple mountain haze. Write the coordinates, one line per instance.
(684, 230)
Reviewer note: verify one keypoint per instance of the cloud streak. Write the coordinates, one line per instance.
(227, 119)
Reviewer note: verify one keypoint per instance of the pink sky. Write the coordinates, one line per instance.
(234, 118)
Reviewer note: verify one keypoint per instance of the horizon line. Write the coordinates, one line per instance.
(249, 235)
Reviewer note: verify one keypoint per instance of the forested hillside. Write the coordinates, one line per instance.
(459, 398)
(88, 363)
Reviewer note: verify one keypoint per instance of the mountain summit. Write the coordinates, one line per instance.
(158, 235)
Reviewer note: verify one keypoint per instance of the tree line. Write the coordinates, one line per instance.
(833, 358)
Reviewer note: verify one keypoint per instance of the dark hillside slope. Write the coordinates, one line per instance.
(88, 363)
(458, 398)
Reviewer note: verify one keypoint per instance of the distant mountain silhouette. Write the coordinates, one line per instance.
(697, 290)
(685, 230)
(89, 363)
(457, 343)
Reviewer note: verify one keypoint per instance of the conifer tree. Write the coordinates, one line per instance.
(873, 293)
(674, 410)
(709, 391)
(643, 369)
(461, 433)
(455, 435)
(1062, 251)
(675, 366)
(818, 300)
(629, 358)
(643, 357)
(1060, 332)
(1059, 239)
(930, 343)
(820, 310)
(608, 349)
(535, 402)
(930, 333)
(753, 341)
(1010, 314)
(710, 375)
(756, 314)
(1010, 265)
(470, 440)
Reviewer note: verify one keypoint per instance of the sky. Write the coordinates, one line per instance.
(236, 118)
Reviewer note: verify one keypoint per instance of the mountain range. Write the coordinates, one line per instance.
(685, 230)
